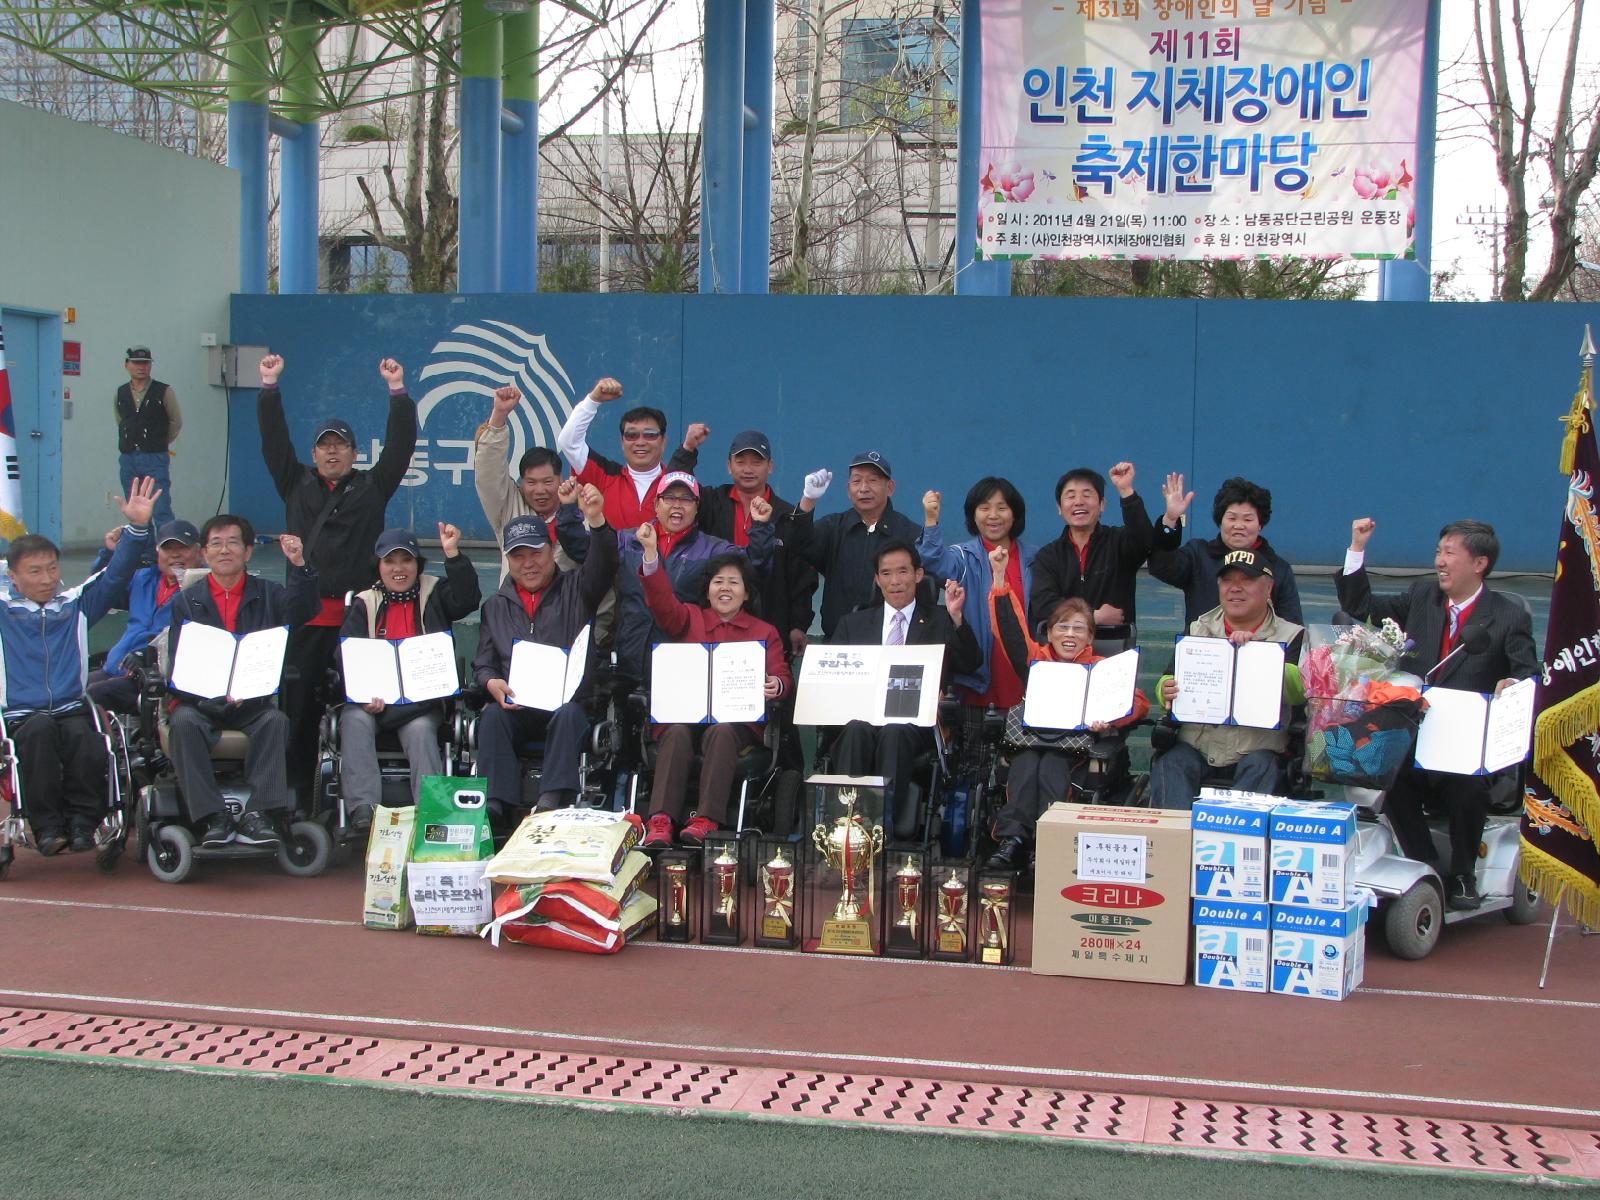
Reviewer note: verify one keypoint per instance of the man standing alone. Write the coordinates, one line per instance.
(148, 421)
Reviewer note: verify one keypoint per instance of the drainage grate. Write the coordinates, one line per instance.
(1305, 1133)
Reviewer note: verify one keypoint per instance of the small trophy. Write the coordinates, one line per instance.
(724, 904)
(950, 940)
(776, 928)
(994, 918)
(673, 923)
(906, 920)
(849, 848)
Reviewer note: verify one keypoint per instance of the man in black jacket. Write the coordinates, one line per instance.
(1439, 615)
(337, 512)
(1097, 562)
(230, 599)
(844, 546)
(901, 618)
(537, 602)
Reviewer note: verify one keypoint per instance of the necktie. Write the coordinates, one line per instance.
(897, 630)
(1455, 620)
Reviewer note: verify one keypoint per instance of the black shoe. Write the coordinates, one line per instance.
(51, 843)
(257, 829)
(360, 819)
(217, 831)
(1008, 855)
(82, 839)
(1462, 893)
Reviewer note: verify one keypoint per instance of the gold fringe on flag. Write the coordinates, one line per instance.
(1577, 421)
(1571, 785)
(1550, 877)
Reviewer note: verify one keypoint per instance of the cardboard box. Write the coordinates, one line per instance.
(1229, 859)
(1319, 952)
(1313, 854)
(385, 904)
(1111, 893)
(1230, 945)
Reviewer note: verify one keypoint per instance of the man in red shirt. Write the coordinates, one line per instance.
(230, 599)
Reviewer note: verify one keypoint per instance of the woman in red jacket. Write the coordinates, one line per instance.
(1047, 765)
(729, 585)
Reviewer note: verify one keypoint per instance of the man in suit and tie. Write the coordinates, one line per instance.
(900, 619)
(1439, 615)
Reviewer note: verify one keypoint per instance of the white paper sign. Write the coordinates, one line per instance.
(545, 677)
(449, 894)
(1220, 684)
(1076, 695)
(739, 682)
(428, 667)
(693, 682)
(371, 670)
(881, 685)
(404, 672)
(215, 664)
(1470, 733)
(1112, 857)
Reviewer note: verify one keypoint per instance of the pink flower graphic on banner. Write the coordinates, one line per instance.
(1014, 183)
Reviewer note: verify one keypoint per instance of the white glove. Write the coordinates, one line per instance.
(816, 484)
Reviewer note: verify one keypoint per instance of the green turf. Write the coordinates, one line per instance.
(90, 1129)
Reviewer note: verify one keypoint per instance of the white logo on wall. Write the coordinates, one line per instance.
(467, 367)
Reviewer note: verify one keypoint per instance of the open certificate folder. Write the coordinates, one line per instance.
(692, 683)
(1077, 695)
(407, 671)
(881, 685)
(1469, 733)
(214, 664)
(546, 677)
(1223, 684)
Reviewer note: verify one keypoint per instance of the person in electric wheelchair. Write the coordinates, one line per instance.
(61, 754)
(148, 599)
(404, 602)
(231, 599)
(1046, 765)
(537, 602)
(721, 616)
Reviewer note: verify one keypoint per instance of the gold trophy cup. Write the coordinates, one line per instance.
(849, 848)
(725, 876)
(676, 879)
(907, 901)
(994, 916)
(953, 916)
(777, 893)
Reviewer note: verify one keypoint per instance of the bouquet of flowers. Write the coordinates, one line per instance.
(1362, 711)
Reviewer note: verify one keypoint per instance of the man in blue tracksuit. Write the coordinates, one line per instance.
(44, 630)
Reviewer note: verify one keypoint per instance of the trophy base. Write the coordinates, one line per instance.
(776, 929)
(845, 937)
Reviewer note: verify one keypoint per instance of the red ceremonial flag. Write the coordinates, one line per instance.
(1562, 806)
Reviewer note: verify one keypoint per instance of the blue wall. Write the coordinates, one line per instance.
(1411, 413)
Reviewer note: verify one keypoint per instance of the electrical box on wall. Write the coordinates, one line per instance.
(235, 366)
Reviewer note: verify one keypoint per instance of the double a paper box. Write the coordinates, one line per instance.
(1229, 860)
(385, 903)
(1230, 945)
(1319, 952)
(1313, 854)
(1111, 893)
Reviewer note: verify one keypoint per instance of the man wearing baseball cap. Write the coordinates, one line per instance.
(537, 602)
(844, 545)
(148, 421)
(1252, 760)
(148, 599)
(337, 512)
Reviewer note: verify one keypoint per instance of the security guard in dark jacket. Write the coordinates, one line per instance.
(338, 513)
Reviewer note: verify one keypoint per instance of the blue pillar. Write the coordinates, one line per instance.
(298, 256)
(721, 173)
(973, 277)
(755, 255)
(519, 154)
(1411, 279)
(478, 261)
(247, 154)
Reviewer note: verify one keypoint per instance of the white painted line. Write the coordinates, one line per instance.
(812, 1056)
(1479, 996)
(181, 912)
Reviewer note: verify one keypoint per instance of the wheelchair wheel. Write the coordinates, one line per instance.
(171, 854)
(106, 856)
(1524, 908)
(306, 851)
(7, 853)
(1411, 923)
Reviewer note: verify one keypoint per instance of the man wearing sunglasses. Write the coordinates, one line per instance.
(629, 486)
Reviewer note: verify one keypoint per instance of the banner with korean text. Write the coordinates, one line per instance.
(1199, 128)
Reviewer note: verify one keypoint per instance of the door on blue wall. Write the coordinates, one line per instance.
(33, 367)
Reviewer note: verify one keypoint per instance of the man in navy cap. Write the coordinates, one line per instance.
(148, 420)
(844, 545)
(337, 512)
(148, 599)
(537, 602)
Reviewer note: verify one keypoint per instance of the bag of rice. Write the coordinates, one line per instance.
(385, 904)
(569, 843)
(449, 894)
(599, 904)
(596, 936)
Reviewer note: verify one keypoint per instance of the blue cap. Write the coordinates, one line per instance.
(871, 458)
(182, 532)
(751, 439)
(391, 540)
(529, 531)
(335, 426)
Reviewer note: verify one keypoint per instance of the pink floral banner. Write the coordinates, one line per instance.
(1199, 128)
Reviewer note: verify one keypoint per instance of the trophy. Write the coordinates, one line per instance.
(777, 925)
(724, 915)
(906, 919)
(848, 848)
(994, 918)
(673, 923)
(951, 939)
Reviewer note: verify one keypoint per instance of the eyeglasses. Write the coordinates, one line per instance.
(677, 501)
(230, 544)
(1077, 627)
(641, 435)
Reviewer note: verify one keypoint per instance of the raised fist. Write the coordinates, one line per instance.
(760, 510)
(449, 539)
(1121, 477)
(646, 534)
(605, 390)
(293, 550)
(816, 484)
(1361, 532)
(695, 434)
(271, 368)
(593, 503)
(930, 508)
(506, 400)
(393, 374)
